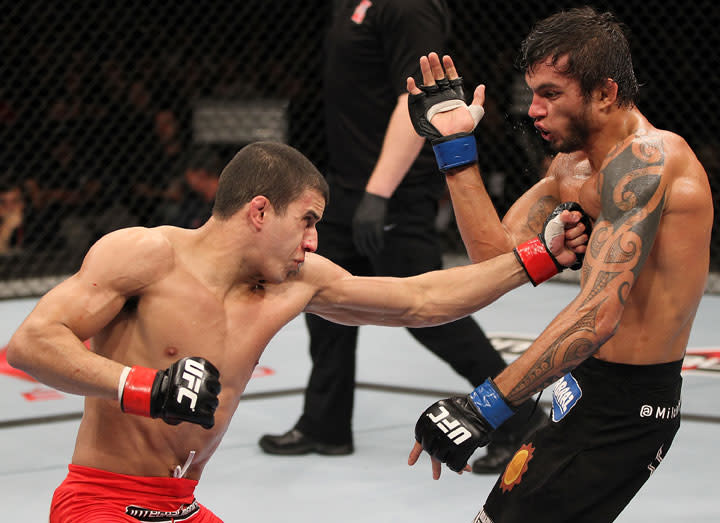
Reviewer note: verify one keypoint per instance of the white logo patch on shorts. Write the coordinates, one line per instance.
(566, 394)
(482, 518)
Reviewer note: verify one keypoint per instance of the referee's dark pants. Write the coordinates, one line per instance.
(411, 247)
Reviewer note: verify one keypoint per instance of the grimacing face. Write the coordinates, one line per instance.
(291, 235)
(561, 113)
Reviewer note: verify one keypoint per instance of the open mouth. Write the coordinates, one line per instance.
(545, 134)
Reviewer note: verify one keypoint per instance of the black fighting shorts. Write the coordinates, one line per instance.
(611, 426)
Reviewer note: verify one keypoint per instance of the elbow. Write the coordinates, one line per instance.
(607, 323)
(19, 353)
(15, 352)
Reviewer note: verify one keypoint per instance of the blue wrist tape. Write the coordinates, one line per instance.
(456, 153)
(490, 403)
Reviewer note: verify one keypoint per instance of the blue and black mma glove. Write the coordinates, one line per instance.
(451, 429)
(455, 150)
(535, 255)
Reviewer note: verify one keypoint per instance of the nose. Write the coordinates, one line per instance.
(536, 109)
(310, 241)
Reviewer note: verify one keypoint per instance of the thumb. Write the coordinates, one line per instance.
(415, 453)
(479, 95)
(570, 218)
(411, 87)
(476, 107)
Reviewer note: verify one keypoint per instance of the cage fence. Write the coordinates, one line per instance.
(118, 114)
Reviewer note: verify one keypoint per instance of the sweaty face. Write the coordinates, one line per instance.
(562, 114)
(291, 235)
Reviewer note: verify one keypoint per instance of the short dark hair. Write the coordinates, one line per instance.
(271, 169)
(596, 46)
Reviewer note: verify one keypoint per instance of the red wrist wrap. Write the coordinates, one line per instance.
(136, 393)
(536, 260)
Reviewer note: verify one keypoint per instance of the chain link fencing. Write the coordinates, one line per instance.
(121, 114)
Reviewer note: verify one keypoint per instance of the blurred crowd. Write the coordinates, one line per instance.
(96, 113)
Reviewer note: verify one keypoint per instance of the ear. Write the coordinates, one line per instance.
(606, 94)
(257, 211)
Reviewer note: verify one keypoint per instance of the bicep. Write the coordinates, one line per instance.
(119, 265)
(361, 301)
(526, 217)
(632, 198)
(340, 297)
(356, 300)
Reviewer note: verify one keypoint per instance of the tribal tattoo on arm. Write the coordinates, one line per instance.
(632, 198)
(538, 213)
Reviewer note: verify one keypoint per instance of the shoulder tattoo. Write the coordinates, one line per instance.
(632, 204)
(632, 199)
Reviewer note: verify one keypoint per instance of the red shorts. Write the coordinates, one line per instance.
(97, 496)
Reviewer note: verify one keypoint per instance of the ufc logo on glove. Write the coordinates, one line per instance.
(193, 374)
(445, 423)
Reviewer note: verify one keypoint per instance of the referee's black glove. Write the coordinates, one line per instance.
(368, 224)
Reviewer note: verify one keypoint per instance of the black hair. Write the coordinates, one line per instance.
(274, 170)
(596, 46)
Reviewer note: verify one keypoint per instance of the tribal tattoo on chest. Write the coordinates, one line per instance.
(632, 197)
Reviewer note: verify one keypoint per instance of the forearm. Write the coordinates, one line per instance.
(458, 292)
(568, 341)
(401, 147)
(57, 358)
(480, 227)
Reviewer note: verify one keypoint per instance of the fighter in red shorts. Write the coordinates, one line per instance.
(179, 299)
(89, 494)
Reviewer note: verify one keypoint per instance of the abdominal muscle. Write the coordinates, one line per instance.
(111, 440)
(658, 315)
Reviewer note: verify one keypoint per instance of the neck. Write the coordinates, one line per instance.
(621, 124)
(224, 256)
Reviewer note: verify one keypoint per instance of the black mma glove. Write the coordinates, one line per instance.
(454, 150)
(536, 257)
(368, 223)
(451, 429)
(186, 391)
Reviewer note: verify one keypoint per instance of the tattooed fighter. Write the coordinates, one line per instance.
(616, 349)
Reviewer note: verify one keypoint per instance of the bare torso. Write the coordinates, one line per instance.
(181, 316)
(660, 308)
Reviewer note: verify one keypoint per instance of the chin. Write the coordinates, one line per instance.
(292, 274)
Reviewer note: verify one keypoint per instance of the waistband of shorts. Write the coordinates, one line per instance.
(637, 373)
(123, 483)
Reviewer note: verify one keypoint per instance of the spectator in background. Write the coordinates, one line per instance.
(60, 194)
(12, 214)
(156, 187)
(199, 186)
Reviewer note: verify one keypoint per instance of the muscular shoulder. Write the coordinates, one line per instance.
(567, 165)
(130, 259)
(319, 272)
(323, 276)
(683, 176)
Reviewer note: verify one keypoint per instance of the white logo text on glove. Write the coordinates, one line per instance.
(447, 424)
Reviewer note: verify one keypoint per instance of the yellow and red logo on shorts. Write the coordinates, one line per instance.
(517, 468)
